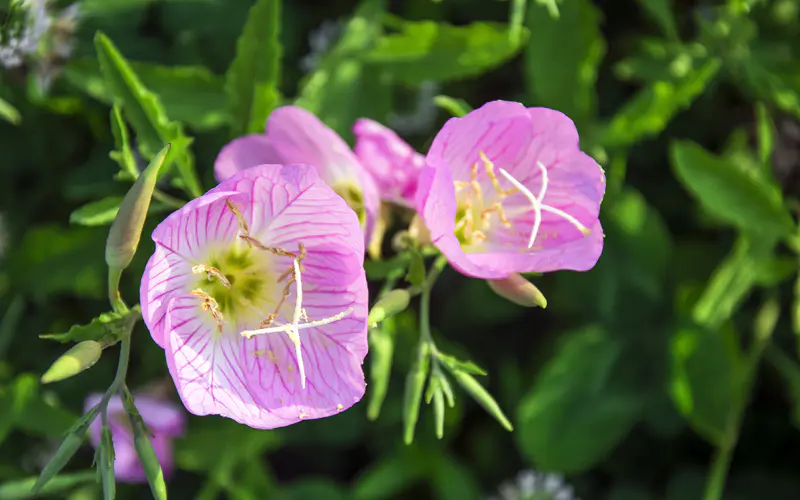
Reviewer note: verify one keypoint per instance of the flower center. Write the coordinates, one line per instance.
(355, 199)
(234, 283)
(475, 215)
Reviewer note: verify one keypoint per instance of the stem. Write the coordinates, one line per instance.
(167, 199)
(119, 378)
(117, 304)
(719, 472)
(425, 302)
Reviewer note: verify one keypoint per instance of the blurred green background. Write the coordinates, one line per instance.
(643, 378)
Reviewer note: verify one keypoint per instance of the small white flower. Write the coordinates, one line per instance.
(532, 485)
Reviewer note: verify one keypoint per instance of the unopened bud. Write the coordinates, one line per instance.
(390, 304)
(519, 291)
(126, 230)
(81, 357)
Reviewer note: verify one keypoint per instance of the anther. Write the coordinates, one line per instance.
(209, 304)
(239, 217)
(488, 165)
(211, 273)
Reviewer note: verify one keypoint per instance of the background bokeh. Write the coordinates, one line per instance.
(642, 377)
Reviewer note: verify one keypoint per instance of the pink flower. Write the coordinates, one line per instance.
(295, 135)
(257, 293)
(164, 419)
(508, 190)
(394, 164)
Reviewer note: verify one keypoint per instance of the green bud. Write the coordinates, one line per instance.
(144, 449)
(106, 464)
(415, 385)
(126, 230)
(482, 397)
(80, 357)
(387, 306)
(519, 291)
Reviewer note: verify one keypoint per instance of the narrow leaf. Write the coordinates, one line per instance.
(9, 113)
(58, 486)
(254, 75)
(100, 328)
(123, 154)
(438, 411)
(105, 465)
(766, 135)
(661, 12)
(482, 396)
(145, 113)
(96, 213)
(454, 364)
(13, 401)
(456, 107)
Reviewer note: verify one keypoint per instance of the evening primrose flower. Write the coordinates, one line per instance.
(294, 135)
(507, 189)
(393, 164)
(257, 293)
(165, 421)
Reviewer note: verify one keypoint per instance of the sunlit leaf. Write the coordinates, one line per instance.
(188, 94)
(96, 213)
(749, 202)
(254, 75)
(146, 114)
(649, 111)
(427, 50)
(9, 113)
(109, 324)
(13, 400)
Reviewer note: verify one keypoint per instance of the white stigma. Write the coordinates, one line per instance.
(539, 206)
(293, 329)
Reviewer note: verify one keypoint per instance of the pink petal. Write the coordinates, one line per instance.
(393, 164)
(161, 416)
(500, 129)
(181, 241)
(297, 136)
(241, 153)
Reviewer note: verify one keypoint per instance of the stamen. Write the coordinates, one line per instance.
(501, 214)
(211, 272)
(239, 217)
(488, 165)
(209, 304)
(301, 326)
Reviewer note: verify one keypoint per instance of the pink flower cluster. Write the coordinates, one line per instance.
(257, 292)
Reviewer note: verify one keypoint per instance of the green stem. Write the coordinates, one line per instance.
(117, 304)
(425, 302)
(119, 378)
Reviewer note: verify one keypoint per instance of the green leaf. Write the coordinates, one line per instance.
(13, 401)
(788, 368)
(317, 488)
(107, 326)
(562, 58)
(10, 322)
(705, 380)
(452, 480)
(661, 12)
(577, 411)
(123, 154)
(649, 111)
(254, 75)
(454, 364)
(105, 465)
(144, 449)
(415, 384)
(145, 113)
(481, 396)
(9, 113)
(381, 351)
(772, 74)
(339, 90)
(551, 6)
(456, 107)
(68, 447)
(189, 94)
(427, 50)
(96, 213)
(58, 486)
(766, 135)
(749, 202)
(731, 282)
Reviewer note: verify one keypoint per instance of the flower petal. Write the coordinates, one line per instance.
(161, 416)
(241, 153)
(393, 164)
(208, 366)
(500, 129)
(181, 241)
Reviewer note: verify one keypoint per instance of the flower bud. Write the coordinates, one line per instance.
(390, 304)
(79, 358)
(126, 230)
(419, 232)
(519, 291)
